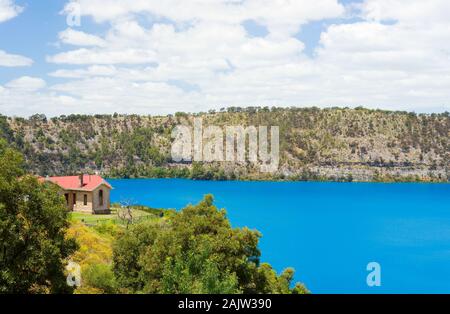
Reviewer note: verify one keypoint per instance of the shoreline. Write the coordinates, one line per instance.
(276, 181)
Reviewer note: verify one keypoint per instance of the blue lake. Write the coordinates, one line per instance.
(329, 232)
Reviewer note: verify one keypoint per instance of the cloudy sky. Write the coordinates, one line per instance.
(157, 57)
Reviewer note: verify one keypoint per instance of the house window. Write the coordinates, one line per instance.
(67, 198)
(85, 200)
(74, 199)
(100, 197)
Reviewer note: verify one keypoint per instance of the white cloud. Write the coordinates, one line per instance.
(410, 12)
(275, 13)
(24, 96)
(8, 10)
(95, 70)
(172, 55)
(78, 38)
(26, 83)
(97, 95)
(199, 32)
(11, 60)
(86, 56)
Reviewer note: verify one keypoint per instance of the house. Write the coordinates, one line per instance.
(84, 193)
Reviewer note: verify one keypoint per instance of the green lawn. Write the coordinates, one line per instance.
(95, 219)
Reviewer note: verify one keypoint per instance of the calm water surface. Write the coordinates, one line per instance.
(329, 232)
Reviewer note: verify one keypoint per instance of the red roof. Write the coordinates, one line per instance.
(90, 182)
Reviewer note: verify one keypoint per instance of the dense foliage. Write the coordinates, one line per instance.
(33, 221)
(195, 251)
(94, 256)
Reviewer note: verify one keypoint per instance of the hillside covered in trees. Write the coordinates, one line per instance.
(315, 144)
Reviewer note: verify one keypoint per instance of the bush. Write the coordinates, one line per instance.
(195, 251)
(33, 222)
(108, 227)
(101, 277)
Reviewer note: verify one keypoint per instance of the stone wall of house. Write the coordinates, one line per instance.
(98, 207)
(80, 205)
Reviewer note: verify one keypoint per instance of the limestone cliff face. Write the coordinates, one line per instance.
(329, 144)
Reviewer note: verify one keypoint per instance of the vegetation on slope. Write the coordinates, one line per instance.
(315, 144)
(94, 257)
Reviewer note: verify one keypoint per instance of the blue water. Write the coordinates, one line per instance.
(329, 232)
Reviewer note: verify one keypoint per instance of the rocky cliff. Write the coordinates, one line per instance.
(315, 144)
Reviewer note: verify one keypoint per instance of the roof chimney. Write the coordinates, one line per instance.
(81, 179)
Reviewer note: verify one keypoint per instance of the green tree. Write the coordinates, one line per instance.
(33, 221)
(194, 251)
(101, 277)
(196, 272)
(197, 171)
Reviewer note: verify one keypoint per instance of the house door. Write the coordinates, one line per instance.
(100, 197)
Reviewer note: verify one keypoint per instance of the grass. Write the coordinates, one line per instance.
(91, 219)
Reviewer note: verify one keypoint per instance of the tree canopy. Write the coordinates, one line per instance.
(195, 251)
(33, 221)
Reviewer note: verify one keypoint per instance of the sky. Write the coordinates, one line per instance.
(158, 57)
